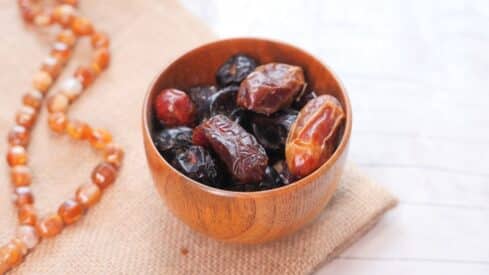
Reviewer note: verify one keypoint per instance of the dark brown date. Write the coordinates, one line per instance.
(302, 99)
(271, 131)
(312, 137)
(270, 87)
(235, 69)
(171, 141)
(201, 97)
(283, 171)
(197, 163)
(244, 157)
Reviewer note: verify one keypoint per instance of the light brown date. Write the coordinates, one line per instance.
(270, 87)
(313, 137)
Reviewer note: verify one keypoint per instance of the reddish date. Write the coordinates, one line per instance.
(312, 137)
(174, 108)
(244, 157)
(271, 87)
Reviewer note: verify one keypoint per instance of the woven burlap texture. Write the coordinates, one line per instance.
(131, 231)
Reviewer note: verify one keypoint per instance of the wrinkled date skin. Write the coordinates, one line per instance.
(235, 69)
(174, 108)
(271, 87)
(171, 141)
(197, 163)
(244, 157)
(312, 137)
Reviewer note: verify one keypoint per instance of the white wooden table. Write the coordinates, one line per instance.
(418, 76)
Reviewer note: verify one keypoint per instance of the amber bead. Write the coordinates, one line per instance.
(67, 36)
(71, 211)
(26, 116)
(18, 135)
(16, 155)
(101, 59)
(58, 103)
(77, 129)
(21, 245)
(61, 51)
(28, 235)
(27, 12)
(23, 195)
(52, 66)
(10, 256)
(20, 175)
(43, 20)
(104, 175)
(100, 40)
(85, 75)
(63, 14)
(88, 194)
(27, 214)
(33, 99)
(81, 26)
(114, 154)
(50, 226)
(72, 88)
(42, 81)
(57, 122)
(70, 2)
(99, 138)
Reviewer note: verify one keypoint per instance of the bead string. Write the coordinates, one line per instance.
(32, 230)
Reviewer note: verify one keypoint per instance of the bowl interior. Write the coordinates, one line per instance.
(199, 66)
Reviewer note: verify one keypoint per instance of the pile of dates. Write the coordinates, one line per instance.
(259, 128)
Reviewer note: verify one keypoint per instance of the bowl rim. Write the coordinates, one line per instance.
(243, 194)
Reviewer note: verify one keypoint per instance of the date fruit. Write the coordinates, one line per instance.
(235, 69)
(198, 164)
(271, 87)
(270, 180)
(244, 157)
(283, 171)
(302, 100)
(312, 137)
(271, 131)
(224, 101)
(174, 108)
(171, 141)
(202, 98)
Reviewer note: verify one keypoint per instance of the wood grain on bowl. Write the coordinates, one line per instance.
(244, 217)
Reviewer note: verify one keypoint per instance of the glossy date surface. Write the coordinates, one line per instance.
(313, 136)
(202, 97)
(171, 141)
(235, 69)
(271, 131)
(174, 108)
(271, 87)
(198, 163)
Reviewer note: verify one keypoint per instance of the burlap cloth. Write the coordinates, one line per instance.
(131, 231)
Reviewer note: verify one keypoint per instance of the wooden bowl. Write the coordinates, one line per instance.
(244, 217)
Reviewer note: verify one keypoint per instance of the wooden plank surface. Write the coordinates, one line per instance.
(418, 76)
